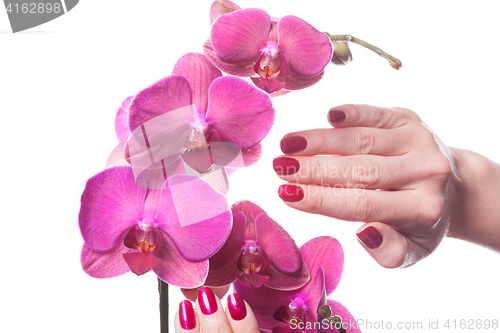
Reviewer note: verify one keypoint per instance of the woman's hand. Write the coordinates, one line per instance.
(210, 317)
(382, 166)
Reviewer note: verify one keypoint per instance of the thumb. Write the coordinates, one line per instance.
(389, 247)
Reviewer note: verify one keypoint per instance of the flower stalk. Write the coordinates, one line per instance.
(394, 62)
(163, 291)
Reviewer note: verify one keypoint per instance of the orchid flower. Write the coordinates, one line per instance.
(172, 231)
(287, 53)
(257, 252)
(196, 116)
(297, 310)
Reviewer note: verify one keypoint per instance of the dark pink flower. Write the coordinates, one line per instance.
(290, 311)
(257, 252)
(196, 115)
(287, 53)
(172, 231)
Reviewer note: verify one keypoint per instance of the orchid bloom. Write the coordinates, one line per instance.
(287, 53)
(297, 310)
(172, 231)
(257, 252)
(195, 114)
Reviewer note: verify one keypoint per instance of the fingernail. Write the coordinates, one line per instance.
(293, 144)
(285, 166)
(206, 299)
(371, 237)
(236, 307)
(291, 193)
(336, 116)
(186, 315)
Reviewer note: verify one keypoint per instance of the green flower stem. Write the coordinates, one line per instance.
(394, 62)
(163, 291)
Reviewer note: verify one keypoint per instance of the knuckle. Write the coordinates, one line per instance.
(319, 200)
(315, 169)
(364, 141)
(432, 211)
(364, 172)
(360, 208)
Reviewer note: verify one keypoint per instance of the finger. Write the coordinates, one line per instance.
(185, 319)
(240, 315)
(348, 141)
(349, 115)
(404, 209)
(388, 247)
(367, 172)
(210, 312)
(192, 294)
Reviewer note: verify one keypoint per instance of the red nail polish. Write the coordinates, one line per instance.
(236, 307)
(336, 116)
(285, 166)
(371, 237)
(293, 144)
(291, 193)
(187, 317)
(206, 299)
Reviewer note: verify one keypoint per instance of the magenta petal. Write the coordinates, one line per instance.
(176, 270)
(348, 320)
(315, 293)
(200, 73)
(264, 300)
(104, 264)
(117, 155)
(111, 203)
(141, 262)
(230, 251)
(121, 120)
(239, 112)
(253, 280)
(195, 215)
(268, 85)
(325, 252)
(308, 50)
(244, 68)
(170, 93)
(279, 246)
(281, 281)
(252, 155)
(240, 35)
(293, 81)
(221, 7)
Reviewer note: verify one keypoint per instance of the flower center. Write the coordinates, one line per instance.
(143, 240)
(270, 63)
(252, 260)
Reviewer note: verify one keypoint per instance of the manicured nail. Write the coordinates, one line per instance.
(206, 299)
(336, 116)
(187, 317)
(293, 144)
(291, 193)
(236, 307)
(371, 237)
(285, 166)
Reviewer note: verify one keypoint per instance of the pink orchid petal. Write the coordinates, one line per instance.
(294, 81)
(226, 154)
(230, 251)
(279, 246)
(239, 112)
(316, 295)
(224, 276)
(104, 264)
(170, 93)
(280, 281)
(253, 280)
(308, 50)
(325, 252)
(178, 271)
(348, 320)
(199, 159)
(141, 262)
(111, 203)
(268, 85)
(238, 36)
(121, 120)
(252, 155)
(221, 7)
(244, 68)
(264, 300)
(273, 32)
(117, 155)
(195, 215)
(200, 73)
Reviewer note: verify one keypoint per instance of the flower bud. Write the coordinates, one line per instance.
(341, 53)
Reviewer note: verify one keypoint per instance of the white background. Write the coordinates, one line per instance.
(61, 84)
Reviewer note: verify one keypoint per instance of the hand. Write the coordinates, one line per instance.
(210, 317)
(382, 166)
